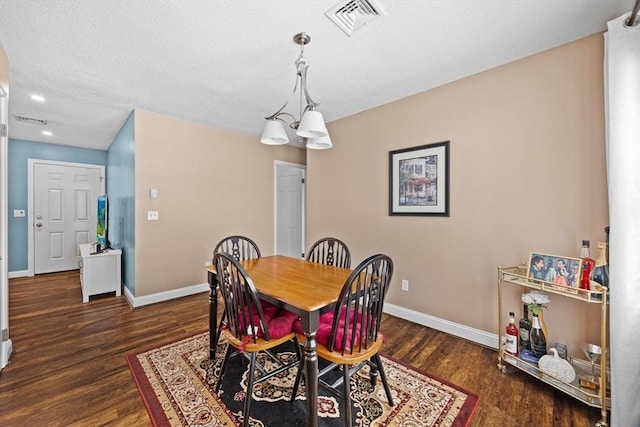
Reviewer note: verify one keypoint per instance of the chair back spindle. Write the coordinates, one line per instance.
(241, 247)
(330, 251)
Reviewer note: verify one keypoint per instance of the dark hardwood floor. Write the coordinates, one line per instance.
(68, 364)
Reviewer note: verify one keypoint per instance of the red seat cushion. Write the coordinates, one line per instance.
(279, 322)
(324, 335)
(325, 319)
(324, 330)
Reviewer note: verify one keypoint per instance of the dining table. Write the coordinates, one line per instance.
(306, 288)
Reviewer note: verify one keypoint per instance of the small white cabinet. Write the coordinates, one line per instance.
(99, 273)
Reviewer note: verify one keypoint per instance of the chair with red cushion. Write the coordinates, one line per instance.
(349, 338)
(330, 251)
(241, 248)
(251, 328)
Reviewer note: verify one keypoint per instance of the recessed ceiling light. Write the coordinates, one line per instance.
(38, 98)
(47, 133)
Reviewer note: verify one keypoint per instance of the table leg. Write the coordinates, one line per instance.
(310, 325)
(213, 314)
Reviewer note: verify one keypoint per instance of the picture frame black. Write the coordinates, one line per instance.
(419, 180)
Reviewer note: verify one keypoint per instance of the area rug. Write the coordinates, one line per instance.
(177, 384)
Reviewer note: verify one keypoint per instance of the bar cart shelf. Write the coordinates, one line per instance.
(600, 398)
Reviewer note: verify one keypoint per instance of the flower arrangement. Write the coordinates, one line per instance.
(535, 301)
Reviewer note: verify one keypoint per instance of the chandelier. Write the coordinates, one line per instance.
(310, 124)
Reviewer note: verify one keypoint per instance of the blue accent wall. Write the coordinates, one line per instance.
(121, 190)
(19, 154)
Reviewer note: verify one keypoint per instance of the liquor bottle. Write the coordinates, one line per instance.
(538, 340)
(525, 329)
(587, 265)
(600, 272)
(511, 344)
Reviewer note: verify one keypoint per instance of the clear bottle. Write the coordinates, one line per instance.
(511, 344)
(587, 265)
(525, 329)
(538, 340)
(600, 273)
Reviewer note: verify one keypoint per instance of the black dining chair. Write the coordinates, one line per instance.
(330, 251)
(249, 330)
(351, 338)
(241, 248)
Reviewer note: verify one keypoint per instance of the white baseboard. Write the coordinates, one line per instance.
(13, 274)
(163, 296)
(462, 331)
(6, 347)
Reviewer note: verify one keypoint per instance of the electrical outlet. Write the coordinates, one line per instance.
(152, 215)
(18, 213)
(405, 285)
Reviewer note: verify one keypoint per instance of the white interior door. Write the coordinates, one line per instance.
(64, 213)
(290, 212)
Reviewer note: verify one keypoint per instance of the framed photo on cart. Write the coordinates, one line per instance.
(559, 272)
(419, 180)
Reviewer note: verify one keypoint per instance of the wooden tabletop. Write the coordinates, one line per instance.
(309, 286)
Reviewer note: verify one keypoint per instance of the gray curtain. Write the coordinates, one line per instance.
(622, 109)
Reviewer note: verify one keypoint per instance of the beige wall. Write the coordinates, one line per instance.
(527, 174)
(211, 184)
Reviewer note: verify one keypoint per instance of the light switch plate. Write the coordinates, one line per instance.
(153, 193)
(18, 213)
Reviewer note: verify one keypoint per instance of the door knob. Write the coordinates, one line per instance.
(38, 224)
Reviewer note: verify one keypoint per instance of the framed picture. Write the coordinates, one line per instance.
(419, 180)
(558, 272)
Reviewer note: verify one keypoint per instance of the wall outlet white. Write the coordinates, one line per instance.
(152, 215)
(405, 285)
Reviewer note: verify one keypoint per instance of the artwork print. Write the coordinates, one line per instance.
(419, 180)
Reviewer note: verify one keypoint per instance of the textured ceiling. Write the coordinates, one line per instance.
(230, 63)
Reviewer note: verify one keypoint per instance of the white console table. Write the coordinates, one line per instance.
(99, 273)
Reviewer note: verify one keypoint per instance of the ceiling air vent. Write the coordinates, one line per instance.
(32, 120)
(350, 15)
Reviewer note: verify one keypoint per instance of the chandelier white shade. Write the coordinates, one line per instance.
(319, 143)
(274, 133)
(309, 124)
(312, 125)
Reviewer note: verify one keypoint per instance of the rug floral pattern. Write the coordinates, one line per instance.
(177, 383)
